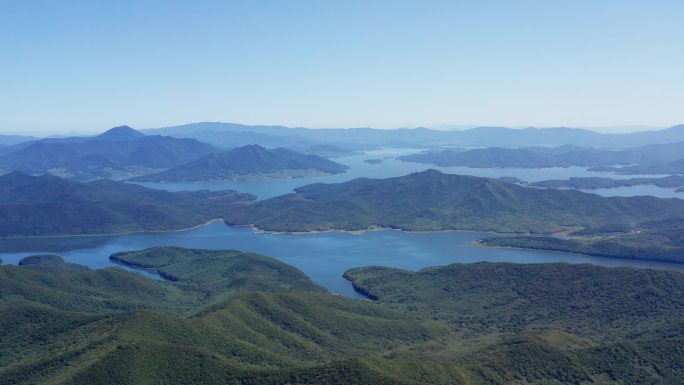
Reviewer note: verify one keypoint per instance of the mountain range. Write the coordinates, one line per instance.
(649, 156)
(360, 138)
(247, 162)
(119, 152)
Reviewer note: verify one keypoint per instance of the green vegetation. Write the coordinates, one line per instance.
(431, 200)
(49, 205)
(244, 162)
(661, 240)
(585, 300)
(213, 272)
(475, 324)
(655, 241)
(76, 288)
(112, 326)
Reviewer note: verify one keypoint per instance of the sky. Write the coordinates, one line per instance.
(84, 66)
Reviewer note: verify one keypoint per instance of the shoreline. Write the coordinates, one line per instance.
(116, 234)
(246, 178)
(476, 243)
(372, 229)
(479, 243)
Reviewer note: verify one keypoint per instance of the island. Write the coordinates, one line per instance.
(373, 161)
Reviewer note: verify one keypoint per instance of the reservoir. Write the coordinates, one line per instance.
(322, 256)
(325, 256)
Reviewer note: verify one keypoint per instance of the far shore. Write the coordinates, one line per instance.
(116, 234)
(371, 229)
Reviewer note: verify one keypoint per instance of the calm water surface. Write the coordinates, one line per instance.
(323, 257)
(391, 167)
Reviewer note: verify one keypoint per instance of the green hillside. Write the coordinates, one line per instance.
(476, 324)
(245, 162)
(213, 272)
(49, 205)
(585, 300)
(431, 200)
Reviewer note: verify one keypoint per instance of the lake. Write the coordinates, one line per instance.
(391, 167)
(323, 256)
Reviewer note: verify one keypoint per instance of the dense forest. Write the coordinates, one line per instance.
(227, 317)
(431, 200)
(47, 205)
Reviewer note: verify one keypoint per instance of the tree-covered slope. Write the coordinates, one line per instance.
(247, 161)
(192, 278)
(460, 324)
(605, 304)
(212, 272)
(660, 240)
(431, 200)
(81, 327)
(76, 288)
(49, 205)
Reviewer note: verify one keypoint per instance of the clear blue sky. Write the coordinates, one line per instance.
(89, 65)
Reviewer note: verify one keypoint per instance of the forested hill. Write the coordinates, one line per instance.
(228, 317)
(247, 161)
(49, 205)
(431, 200)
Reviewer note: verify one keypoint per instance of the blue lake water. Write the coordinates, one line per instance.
(391, 167)
(325, 256)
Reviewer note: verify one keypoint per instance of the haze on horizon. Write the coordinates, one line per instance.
(85, 67)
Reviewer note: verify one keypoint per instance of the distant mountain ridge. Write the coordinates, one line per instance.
(474, 137)
(120, 133)
(242, 162)
(10, 140)
(563, 156)
(119, 151)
